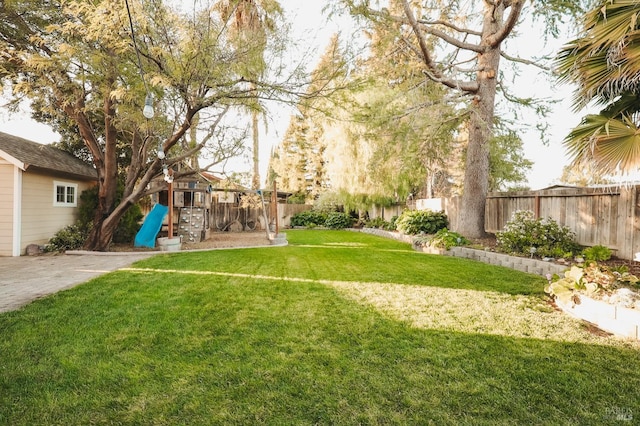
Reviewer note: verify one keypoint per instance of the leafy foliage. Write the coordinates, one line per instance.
(313, 218)
(414, 222)
(128, 225)
(525, 235)
(309, 218)
(328, 202)
(590, 279)
(446, 239)
(596, 253)
(379, 223)
(70, 237)
(297, 198)
(507, 164)
(602, 64)
(338, 220)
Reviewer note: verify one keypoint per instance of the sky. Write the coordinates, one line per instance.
(313, 32)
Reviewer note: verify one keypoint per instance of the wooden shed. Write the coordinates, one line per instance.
(40, 187)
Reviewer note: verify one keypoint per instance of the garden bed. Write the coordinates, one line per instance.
(486, 255)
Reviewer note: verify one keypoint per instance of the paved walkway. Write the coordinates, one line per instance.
(26, 278)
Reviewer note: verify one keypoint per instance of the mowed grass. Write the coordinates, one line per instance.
(336, 328)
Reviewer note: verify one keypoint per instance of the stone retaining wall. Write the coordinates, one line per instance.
(523, 264)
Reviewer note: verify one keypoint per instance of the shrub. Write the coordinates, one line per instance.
(297, 198)
(70, 237)
(525, 235)
(378, 222)
(129, 225)
(446, 239)
(336, 220)
(309, 218)
(598, 253)
(414, 222)
(392, 226)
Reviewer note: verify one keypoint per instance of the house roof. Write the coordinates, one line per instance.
(221, 183)
(26, 154)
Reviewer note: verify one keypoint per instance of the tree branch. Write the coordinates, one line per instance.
(432, 71)
(524, 61)
(498, 37)
(451, 26)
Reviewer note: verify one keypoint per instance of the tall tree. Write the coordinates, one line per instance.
(311, 135)
(288, 161)
(461, 45)
(583, 175)
(252, 23)
(604, 63)
(394, 137)
(507, 164)
(77, 62)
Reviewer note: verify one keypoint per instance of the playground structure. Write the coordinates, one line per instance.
(199, 208)
(146, 236)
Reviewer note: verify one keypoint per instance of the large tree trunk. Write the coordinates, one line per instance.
(105, 219)
(101, 234)
(476, 176)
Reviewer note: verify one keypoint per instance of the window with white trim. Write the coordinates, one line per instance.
(65, 194)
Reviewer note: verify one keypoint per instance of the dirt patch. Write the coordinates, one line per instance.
(216, 240)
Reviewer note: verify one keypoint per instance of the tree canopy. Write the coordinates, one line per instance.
(460, 46)
(87, 68)
(391, 135)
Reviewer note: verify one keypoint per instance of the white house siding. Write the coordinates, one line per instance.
(40, 218)
(7, 184)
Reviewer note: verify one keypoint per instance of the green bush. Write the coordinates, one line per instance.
(336, 220)
(392, 226)
(70, 237)
(129, 225)
(297, 198)
(413, 222)
(309, 218)
(378, 223)
(446, 239)
(525, 235)
(598, 253)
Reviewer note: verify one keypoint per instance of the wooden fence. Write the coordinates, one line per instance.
(607, 216)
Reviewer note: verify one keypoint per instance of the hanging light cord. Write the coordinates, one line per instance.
(135, 46)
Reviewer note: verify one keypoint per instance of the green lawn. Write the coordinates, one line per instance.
(336, 328)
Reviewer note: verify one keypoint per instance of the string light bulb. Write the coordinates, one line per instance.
(161, 154)
(148, 111)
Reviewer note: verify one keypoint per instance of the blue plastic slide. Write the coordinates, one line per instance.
(146, 236)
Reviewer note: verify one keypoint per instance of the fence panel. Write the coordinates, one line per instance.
(285, 211)
(607, 216)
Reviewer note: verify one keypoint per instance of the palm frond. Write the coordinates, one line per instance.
(610, 144)
(605, 61)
